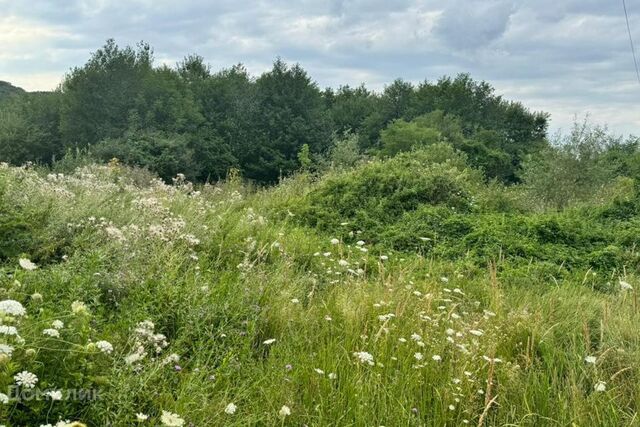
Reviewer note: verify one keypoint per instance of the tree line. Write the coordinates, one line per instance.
(202, 123)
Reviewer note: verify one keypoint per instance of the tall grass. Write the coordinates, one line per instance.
(222, 272)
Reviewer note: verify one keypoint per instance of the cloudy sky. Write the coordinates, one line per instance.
(566, 57)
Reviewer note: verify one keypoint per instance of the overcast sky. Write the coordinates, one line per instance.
(566, 57)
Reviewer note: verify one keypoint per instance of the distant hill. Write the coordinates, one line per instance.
(7, 89)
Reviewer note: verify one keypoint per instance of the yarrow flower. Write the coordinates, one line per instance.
(590, 359)
(6, 349)
(12, 307)
(284, 411)
(335, 241)
(142, 417)
(436, 357)
(269, 341)
(57, 324)
(104, 346)
(51, 332)
(4, 399)
(78, 307)
(8, 330)
(27, 264)
(26, 379)
(600, 386)
(54, 395)
(364, 357)
(170, 419)
(418, 356)
(230, 409)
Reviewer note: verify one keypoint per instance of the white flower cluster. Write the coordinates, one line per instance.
(145, 339)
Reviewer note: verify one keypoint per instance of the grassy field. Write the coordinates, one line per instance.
(153, 304)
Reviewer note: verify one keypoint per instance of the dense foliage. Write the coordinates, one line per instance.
(426, 297)
(119, 103)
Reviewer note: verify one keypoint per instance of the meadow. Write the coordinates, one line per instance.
(129, 301)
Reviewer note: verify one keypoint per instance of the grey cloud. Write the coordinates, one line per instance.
(566, 57)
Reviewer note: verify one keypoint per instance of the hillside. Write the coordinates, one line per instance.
(7, 89)
(220, 305)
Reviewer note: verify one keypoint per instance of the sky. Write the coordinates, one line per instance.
(570, 58)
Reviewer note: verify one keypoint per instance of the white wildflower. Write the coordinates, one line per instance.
(590, 359)
(27, 264)
(364, 357)
(57, 324)
(142, 417)
(51, 333)
(269, 341)
(6, 349)
(170, 419)
(54, 395)
(104, 346)
(436, 357)
(230, 409)
(26, 379)
(600, 386)
(4, 399)
(284, 411)
(418, 356)
(12, 307)
(335, 241)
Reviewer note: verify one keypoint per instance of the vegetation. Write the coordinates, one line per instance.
(119, 103)
(428, 256)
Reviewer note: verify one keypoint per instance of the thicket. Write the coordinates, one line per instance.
(119, 104)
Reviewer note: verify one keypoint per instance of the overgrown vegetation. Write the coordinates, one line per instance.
(429, 256)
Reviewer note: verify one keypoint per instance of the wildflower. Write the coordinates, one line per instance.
(436, 357)
(360, 243)
(54, 395)
(383, 258)
(27, 264)
(476, 332)
(295, 301)
(332, 375)
(36, 297)
(12, 307)
(26, 379)
(230, 409)
(626, 286)
(78, 307)
(451, 407)
(171, 420)
(269, 341)
(142, 417)
(418, 356)
(284, 411)
(444, 279)
(319, 371)
(416, 337)
(364, 357)
(57, 324)
(172, 358)
(8, 330)
(104, 346)
(343, 262)
(4, 399)
(6, 349)
(590, 359)
(51, 333)
(335, 241)
(600, 386)
(402, 340)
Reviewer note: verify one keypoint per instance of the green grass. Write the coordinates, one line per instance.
(126, 249)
